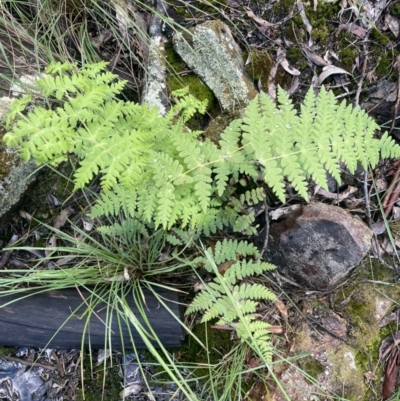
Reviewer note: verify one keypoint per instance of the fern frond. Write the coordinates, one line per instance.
(130, 146)
(388, 148)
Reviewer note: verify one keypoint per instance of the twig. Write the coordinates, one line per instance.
(397, 104)
(356, 101)
(392, 193)
(266, 232)
(367, 202)
(29, 363)
(7, 254)
(363, 71)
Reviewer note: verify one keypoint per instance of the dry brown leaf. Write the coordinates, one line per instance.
(282, 309)
(396, 212)
(378, 227)
(281, 60)
(294, 87)
(61, 219)
(337, 197)
(393, 24)
(305, 20)
(292, 71)
(283, 211)
(51, 243)
(25, 215)
(330, 70)
(391, 373)
(263, 24)
(314, 58)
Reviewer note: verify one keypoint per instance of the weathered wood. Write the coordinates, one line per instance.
(34, 320)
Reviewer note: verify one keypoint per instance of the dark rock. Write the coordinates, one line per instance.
(317, 245)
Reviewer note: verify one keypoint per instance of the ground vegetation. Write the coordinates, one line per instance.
(349, 48)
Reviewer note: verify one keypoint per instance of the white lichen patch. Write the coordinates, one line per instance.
(350, 360)
(212, 53)
(382, 306)
(5, 104)
(25, 85)
(155, 85)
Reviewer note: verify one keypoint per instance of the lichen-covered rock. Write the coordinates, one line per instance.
(330, 368)
(212, 53)
(15, 177)
(318, 245)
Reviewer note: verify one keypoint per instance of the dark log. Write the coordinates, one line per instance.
(34, 320)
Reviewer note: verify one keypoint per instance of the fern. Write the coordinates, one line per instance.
(153, 169)
(231, 302)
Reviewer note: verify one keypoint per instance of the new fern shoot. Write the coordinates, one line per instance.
(153, 169)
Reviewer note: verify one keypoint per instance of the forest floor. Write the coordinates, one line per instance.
(352, 48)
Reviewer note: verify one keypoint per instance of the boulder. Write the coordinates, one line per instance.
(317, 245)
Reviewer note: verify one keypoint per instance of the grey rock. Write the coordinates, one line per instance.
(15, 177)
(318, 245)
(212, 53)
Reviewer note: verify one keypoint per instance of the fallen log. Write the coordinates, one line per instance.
(55, 319)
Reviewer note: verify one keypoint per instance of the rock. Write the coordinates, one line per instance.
(212, 53)
(317, 245)
(15, 177)
(330, 367)
(19, 64)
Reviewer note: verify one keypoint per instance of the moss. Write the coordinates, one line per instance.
(209, 7)
(99, 383)
(5, 351)
(259, 66)
(395, 11)
(383, 67)
(379, 37)
(175, 81)
(348, 57)
(312, 367)
(296, 57)
(174, 62)
(6, 158)
(352, 385)
(320, 32)
(218, 340)
(360, 299)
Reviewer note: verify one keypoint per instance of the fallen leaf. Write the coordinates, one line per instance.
(387, 246)
(330, 70)
(25, 215)
(281, 60)
(381, 184)
(292, 71)
(396, 212)
(378, 227)
(314, 58)
(51, 243)
(283, 211)
(338, 197)
(87, 223)
(391, 373)
(355, 29)
(294, 87)
(264, 24)
(305, 20)
(282, 309)
(393, 24)
(61, 219)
